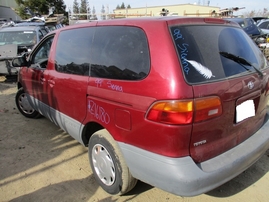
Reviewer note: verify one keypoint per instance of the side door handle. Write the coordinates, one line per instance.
(51, 83)
(42, 80)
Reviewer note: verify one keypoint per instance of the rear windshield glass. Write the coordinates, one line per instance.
(205, 52)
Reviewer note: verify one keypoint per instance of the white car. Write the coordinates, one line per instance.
(264, 26)
(14, 41)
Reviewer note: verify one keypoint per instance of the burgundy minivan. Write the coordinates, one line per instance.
(178, 103)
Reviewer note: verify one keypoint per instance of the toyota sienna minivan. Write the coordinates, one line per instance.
(178, 103)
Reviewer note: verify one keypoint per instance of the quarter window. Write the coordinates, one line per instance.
(120, 52)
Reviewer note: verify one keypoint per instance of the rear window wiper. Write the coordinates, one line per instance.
(240, 60)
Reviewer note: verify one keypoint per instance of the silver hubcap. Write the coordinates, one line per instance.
(24, 104)
(103, 164)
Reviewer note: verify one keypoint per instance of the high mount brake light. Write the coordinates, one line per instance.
(185, 111)
(214, 20)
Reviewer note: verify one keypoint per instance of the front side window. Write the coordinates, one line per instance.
(120, 52)
(41, 55)
(205, 52)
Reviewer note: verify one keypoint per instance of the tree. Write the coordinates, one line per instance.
(94, 13)
(89, 12)
(259, 13)
(40, 7)
(60, 7)
(83, 9)
(75, 8)
(122, 6)
(103, 13)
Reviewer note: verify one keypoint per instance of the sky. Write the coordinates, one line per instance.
(250, 5)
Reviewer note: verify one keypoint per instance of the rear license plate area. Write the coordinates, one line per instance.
(245, 110)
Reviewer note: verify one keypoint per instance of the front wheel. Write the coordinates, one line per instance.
(24, 106)
(108, 165)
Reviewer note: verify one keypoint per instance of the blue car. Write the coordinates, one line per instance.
(248, 25)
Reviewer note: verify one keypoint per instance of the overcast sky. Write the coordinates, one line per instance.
(112, 4)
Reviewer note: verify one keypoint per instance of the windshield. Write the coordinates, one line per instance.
(199, 50)
(26, 38)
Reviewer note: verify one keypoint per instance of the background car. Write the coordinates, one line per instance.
(258, 19)
(248, 25)
(15, 41)
(43, 28)
(264, 26)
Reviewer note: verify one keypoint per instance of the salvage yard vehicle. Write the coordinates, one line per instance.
(15, 41)
(178, 103)
(248, 25)
(264, 26)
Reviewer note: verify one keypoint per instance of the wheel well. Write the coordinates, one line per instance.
(19, 85)
(88, 130)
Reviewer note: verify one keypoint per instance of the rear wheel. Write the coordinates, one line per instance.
(24, 106)
(108, 165)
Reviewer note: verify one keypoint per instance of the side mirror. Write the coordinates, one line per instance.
(19, 61)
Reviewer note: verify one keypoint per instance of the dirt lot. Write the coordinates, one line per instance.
(39, 162)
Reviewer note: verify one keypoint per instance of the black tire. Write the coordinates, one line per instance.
(24, 106)
(108, 165)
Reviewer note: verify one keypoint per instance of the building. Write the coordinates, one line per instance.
(167, 10)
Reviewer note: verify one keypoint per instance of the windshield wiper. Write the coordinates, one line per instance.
(240, 60)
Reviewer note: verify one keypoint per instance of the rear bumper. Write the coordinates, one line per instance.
(182, 176)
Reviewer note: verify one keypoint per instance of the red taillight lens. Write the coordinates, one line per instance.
(185, 112)
(207, 108)
(171, 112)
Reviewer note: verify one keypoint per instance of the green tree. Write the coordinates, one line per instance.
(103, 13)
(75, 8)
(40, 6)
(83, 9)
(60, 7)
(122, 6)
(94, 17)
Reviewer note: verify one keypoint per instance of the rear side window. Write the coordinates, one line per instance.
(199, 49)
(120, 52)
(264, 25)
(73, 51)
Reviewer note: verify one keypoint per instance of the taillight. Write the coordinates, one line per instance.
(171, 112)
(207, 108)
(186, 111)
